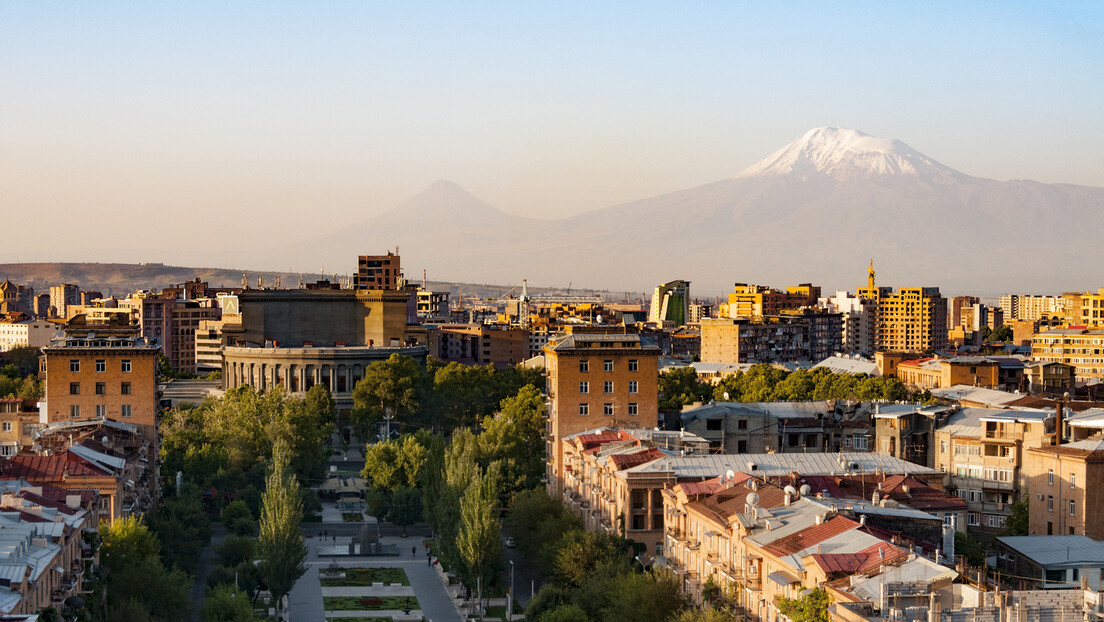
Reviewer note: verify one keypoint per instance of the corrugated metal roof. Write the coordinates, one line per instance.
(777, 465)
(1048, 551)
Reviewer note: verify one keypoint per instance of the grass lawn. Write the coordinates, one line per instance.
(497, 613)
(367, 576)
(368, 603)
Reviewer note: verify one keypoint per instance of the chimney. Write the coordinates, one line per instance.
(819, 519)
(1058, 422)
(862, 520)
(788, 499)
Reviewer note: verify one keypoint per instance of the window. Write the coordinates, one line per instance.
(741, 447)
(124, 410)
(584, 410)
(633, 386)
(607, 365)
(74, 367)
(1073, 508)
(101, 411)
(1050, 503)
(607, 387)
(101, 388)
(7, 426)
(74, 388)
(942, 447)
(7, 450)
(584, 366)
(1073, 480)
(741, 424)
(125, 388)
(125, 366)
(632, 365)
(633, 408)
(607, 409)
(714, 424)
(861, 443)
(1050, 477)
(101, 366)
(584, 387)
(74, 410)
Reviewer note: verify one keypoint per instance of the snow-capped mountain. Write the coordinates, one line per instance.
(816, 210)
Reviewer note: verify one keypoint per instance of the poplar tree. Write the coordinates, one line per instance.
(281, 544)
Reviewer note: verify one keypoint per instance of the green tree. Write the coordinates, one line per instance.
(406, 507)
(392, 464)
(127, 541)
(227, 603)
(234, 550)
(1019, 523)
(138, 579)
(182, 528)
(24, 359)
(704, 615)
(238, 519)
(393, 388)
(281, 546)
(568, 612)
(464, 394)
(813, 607)
(583, 552)
(681, 386)
(513, 439)
(477, 542)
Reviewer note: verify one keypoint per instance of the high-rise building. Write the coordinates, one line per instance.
(597, 377)
(858, 317)
(913, 319)
(671, 303)
(796, 336)
(377, 272)
(1032, 307)
(758, 300)
(61, 296)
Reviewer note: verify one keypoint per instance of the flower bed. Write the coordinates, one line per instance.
(368, 603)
(367, 576)
(351, 517)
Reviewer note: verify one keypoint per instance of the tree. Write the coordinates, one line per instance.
(705, 615)
(813, 607)
(583, 552)
(568, 612)
(182, 528)
(138, 579)
(25, 360)
(406, 507)
(681, 386)
(513, 439)
(234, 550)
(392, 464)
(1019, 523)
(464, 394)
(392, 388)
(227, 603)
(281, 546)
(477, 542)
(127, 541)
(238, 519)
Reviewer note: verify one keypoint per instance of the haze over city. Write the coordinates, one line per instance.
(198, 134)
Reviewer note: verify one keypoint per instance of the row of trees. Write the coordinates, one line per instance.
(18, 374)
(765, 383)
(440, 397)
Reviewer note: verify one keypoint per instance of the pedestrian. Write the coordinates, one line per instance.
(413, 551)
(429, 561)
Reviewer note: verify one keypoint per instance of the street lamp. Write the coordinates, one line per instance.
(510, 600)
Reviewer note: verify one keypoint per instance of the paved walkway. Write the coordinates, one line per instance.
(207, 562)
(435, 603)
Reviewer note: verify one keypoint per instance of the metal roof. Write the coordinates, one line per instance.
(1057, 551)
(776, 465)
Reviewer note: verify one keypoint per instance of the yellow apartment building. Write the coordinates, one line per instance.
(1066, 489)
(937, 373)
(759, 300)
(1083, 348)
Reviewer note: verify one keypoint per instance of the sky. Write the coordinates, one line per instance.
(160, 131)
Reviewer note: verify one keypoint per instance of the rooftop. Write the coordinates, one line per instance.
(1057, 551)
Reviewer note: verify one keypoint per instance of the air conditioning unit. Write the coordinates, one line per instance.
(1039, 496)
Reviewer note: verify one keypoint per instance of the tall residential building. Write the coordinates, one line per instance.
(597, 377)
(913, 319)
(858, 317)
(377, 272)
(1091, 309)
(955, 310)
(805, 336)
(671, 303)
(61, 296)
(1064, 488)
(700, 310)
(1033, 307)
(42, 305)
(26, 333)
(94, 377)
(758, 300)
(1083, 348)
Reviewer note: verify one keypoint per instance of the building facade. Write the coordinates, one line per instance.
(378, 272)
(671, 303)
(1082, 348)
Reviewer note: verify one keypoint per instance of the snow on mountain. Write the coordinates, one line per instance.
(844, 154)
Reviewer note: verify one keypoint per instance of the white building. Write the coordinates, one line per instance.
(23, 333)
(858, 321)
(671, 303)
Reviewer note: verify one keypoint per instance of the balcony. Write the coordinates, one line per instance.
(988, 484)
(676, 534)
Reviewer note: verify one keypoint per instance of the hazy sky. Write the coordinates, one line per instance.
(156, 131)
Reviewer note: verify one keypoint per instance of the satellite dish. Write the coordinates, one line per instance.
(752, 498)
(598, 319)
(730, 475)
(805, 489)
(790, 490)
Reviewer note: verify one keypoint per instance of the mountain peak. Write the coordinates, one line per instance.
(844, 154)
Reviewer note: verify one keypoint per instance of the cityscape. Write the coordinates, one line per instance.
(581, 312)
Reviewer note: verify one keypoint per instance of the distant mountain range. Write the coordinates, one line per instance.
(816, 210)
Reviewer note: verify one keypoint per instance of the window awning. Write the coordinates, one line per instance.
(781, 578)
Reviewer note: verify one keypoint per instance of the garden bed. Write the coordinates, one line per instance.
(352, 517)
(369, 603)
(367, 576)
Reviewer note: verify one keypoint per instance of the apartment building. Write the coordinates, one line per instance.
(63, 295)
(18, 422)
(759, 300)
(1065, 484)
(858, 317)
(1082, 348)
(25, 332)
(378, 271)
(806, 335)
(701, 310)
(914, 319)
(479, 344)
(99, 378)
(983, 451)
(1032, 307)
(907, 431)
(671, 303)
(939, 373)
(597, 377)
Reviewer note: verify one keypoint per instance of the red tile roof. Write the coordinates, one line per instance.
(625, 461)
(50, 468)
(811, 535)
(864, 561)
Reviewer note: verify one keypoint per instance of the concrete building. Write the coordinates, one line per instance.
(93, 378)
(939, 373)
(1049, 379)
(1062, 562)
(956, 311)
(807, 427)
(1065, 484)
(18, 423)
(432, 304)
(597, 377)
(26, 332)
(914, 319)
(42, 305)
(378, 272)
(907, 431)
(61, 296)
(1033, 307)
(479, 344)
(807, 335)
(1082, 348)
(984, 451)
(858, 318)
(759, 300)
(671, 303)
(701, 310)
